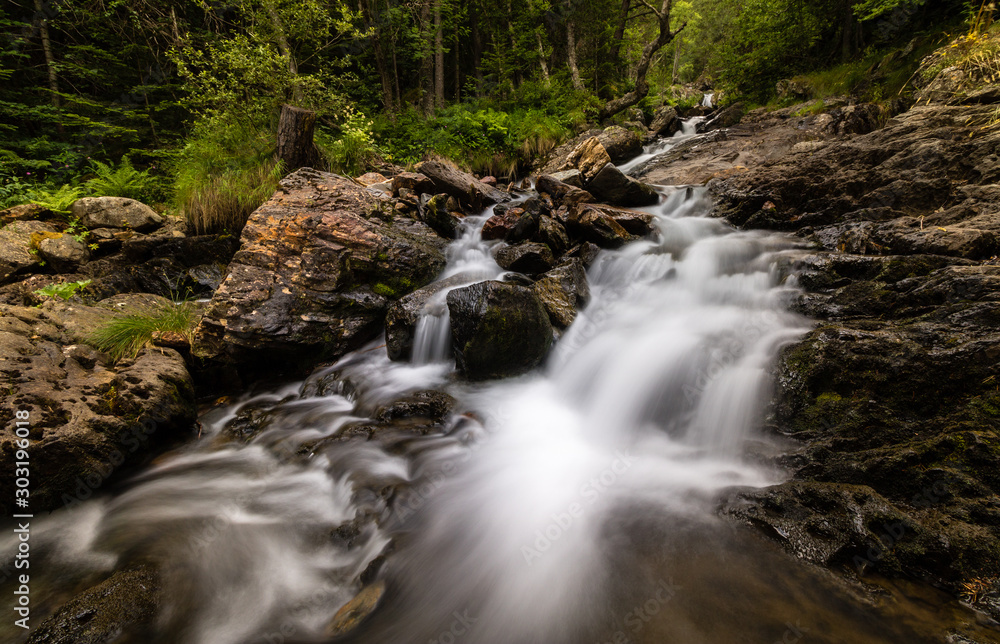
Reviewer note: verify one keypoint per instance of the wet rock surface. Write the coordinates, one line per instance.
(318, 266)
(893, 397)
(498, 330)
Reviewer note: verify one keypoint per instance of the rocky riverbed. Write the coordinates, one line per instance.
(888, 409)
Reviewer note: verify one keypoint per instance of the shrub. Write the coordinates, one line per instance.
(354, 150)
(64, 290)
(124, 336)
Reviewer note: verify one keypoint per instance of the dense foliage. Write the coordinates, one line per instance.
(175, 101)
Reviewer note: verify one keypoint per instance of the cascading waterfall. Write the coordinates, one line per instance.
(541, 514)
(661, 146)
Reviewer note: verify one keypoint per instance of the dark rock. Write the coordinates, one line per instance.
(728, 117)
(471, 192)
(524, 228)
(569, 177)
(115, 212)
(562, 193)
(665, 122)
(552, 234)
(612, 186)
(597, 226)
(122, 607)
(433, 211)
(529, 258)
(401, 320)
(431, 405)
(498, 330)
(316, 272)
(563, 291)
(25, 212)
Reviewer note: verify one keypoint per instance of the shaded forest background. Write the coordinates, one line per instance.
(176, 102)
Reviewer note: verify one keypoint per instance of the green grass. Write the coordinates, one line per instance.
(225, 172)
(124, 336)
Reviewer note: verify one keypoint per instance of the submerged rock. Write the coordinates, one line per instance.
(402, 317)
(498, 330)
(315, 274)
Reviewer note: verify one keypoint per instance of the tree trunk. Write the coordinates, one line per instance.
(427, 60)
(438, 57)
(847, 35)
(50, 61)
(477, 49)
(641, 88)
(541, 59)
(571, 56)
(458, 65)
(616, 41)
(295, 138)
(381, 61)
(677, 62)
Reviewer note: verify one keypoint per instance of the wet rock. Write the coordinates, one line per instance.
(563, 193)
(434, 212)
(621, 144)
(501, 223)
(563, 291)
(16, 246)
(430, 405)
(115, 212)
(471, 192)
(665, 122)
(595, 225)
(498, 330)
(89, 418)
(314, 277)
(569, 177)
(121, 607)
(634, 222)
(402, 317)
(529, 258)
(728, 117)
(65, 253)
(552, 234)
(859, 119)
(525, 227)
(354, 612)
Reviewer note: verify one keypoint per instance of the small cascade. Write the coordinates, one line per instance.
(707, 100)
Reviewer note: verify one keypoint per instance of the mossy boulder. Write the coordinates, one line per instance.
(498, 330)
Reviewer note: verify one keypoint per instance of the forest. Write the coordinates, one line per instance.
(175, 102)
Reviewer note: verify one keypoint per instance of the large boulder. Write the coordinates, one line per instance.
(433, 211)
(498, 330)
(470, 192)
(317, 269)
(596, 225)
(620, 143)
(115, 212)
(609, 184)
(563, 193)
(16, 246)
(87, 418)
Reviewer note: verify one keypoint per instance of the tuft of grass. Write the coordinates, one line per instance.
(225, 172)
(125, 335)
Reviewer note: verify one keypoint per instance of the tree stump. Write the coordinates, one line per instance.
(295, 138)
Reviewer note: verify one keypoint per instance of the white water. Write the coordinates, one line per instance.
(659, 146)
(507, 515)
(707, 100)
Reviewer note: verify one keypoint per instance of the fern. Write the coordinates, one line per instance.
(123, 181)
(58, 200)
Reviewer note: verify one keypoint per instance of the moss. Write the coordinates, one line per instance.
(987, 404)
(38, 237)
(385, 290)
